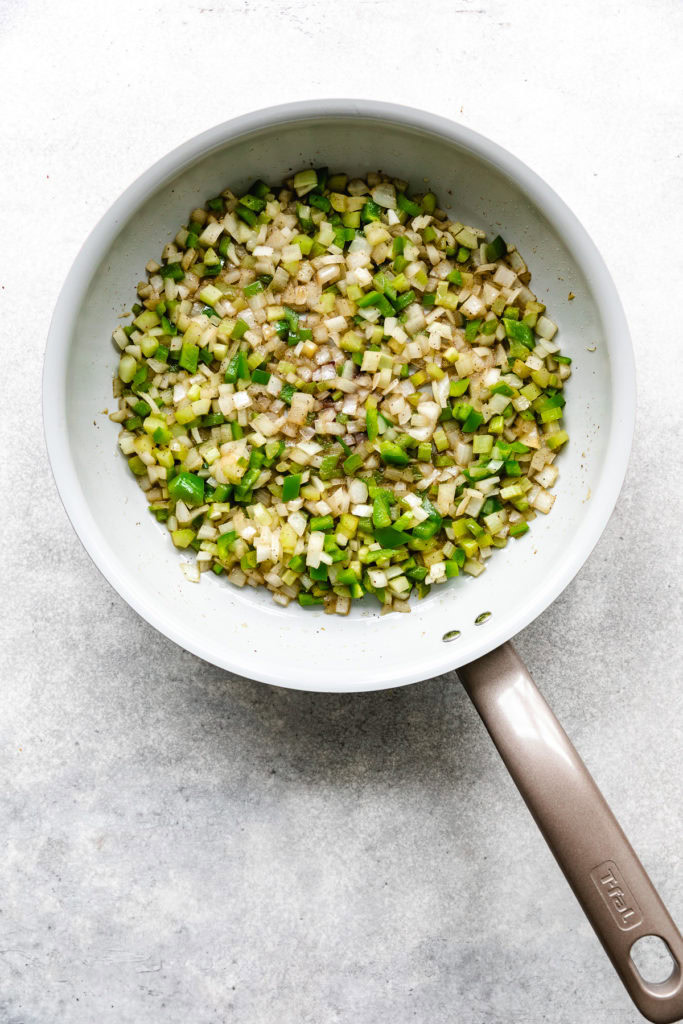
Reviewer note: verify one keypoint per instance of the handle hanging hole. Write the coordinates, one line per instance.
(652, 958)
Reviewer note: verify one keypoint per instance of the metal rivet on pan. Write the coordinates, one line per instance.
(482, 618)
(452, 634)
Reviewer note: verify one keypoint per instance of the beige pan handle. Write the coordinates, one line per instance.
(608, 880)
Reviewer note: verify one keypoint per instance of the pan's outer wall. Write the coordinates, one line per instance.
(243, 631)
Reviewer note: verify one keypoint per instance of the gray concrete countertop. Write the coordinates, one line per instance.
(183, 845)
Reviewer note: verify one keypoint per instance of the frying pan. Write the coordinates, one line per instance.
(464, 625)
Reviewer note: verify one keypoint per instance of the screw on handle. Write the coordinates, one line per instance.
(585, 838)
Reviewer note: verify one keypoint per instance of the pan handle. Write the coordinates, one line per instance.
(597, 859)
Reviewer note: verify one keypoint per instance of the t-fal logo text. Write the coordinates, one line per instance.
(617, 896)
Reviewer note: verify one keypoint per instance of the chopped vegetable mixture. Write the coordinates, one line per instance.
(330, 389)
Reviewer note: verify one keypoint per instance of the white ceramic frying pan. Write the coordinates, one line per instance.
(243, 630)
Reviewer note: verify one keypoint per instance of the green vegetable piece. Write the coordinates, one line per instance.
(172, 270)
(328, 467)
(245, 214)
(305, 180)
(404, 300)
(187, 487)
(162, 435)
(238, 369)
(369, 299)
(189, 356)
(249, 479)
(393, 454)
(496, 249)
(474, 420)
(371, 211)
(274, 450)
(255, 203)
(380, 512)
(221, 493)
(548, 415)
(398, 245)
(407, 205)
(139, 382)
(225, 543)
(346, 577)
(431, 525)
(375, 298)
(260, 189)
(490, 506)
(518, 350)
(429, 202)
(556, 440)
(519, 529)
(242, 366)
(371, 424)
(417, 572)
(287, 393)
(351, 464)
(253, 289)
(472, 330)
(303, 213)
(240, 329)
(519, 332)
(291, 486)
(391, 538)
(320, 523)
(230, 376)
(308, 600)
(459, 387)
(183, 538)
(213, 420)
(320, 201)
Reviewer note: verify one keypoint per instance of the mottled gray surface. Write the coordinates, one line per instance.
(182, 845)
